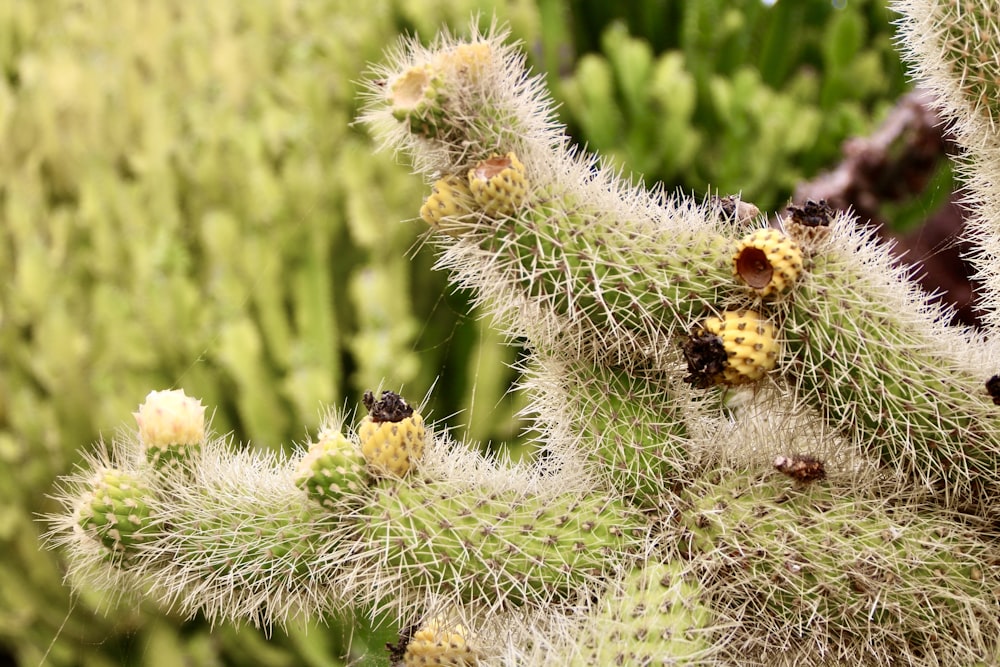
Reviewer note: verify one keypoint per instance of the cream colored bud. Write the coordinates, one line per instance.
(170, 418)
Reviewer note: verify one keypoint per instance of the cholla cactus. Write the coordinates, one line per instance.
(814, 480)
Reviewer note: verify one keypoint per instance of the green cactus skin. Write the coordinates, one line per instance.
(811, 566)
(238, 539)
(117, 513)
(629, 422)
(331, 469)
(510, 548)
(923, 413)
(656, 619)
(614, 280)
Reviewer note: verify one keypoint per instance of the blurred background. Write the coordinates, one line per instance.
(185, 204)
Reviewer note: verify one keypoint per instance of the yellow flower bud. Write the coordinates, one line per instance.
(449, 199)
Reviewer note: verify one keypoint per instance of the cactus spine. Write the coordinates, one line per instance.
(753, 445)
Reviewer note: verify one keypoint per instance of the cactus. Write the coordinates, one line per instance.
(756, 446)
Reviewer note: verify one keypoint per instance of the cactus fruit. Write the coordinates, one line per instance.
(417, 100)
(768, 262)
(332, 468)
(440, 644)
(450, 198)
(392, 435)
(171, 426)
(498, 185)
(737, 348)
(469, 61)
(116, 513)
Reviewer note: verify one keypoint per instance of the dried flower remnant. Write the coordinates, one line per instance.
(801, 467)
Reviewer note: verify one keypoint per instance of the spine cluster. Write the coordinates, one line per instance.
(759, 443)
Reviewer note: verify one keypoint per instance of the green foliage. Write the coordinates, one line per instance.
(683, 92)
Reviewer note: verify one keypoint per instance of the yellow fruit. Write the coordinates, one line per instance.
(499, 185)
(436, 645)
(392, 435)
(467, 60)
(768, 261)
(449, 199)
(737, 348)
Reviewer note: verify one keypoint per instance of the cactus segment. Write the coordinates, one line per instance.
(332, 468)
(607, 283)
(498, 185)
(952, 48)
(392, 435)
(810, 564)
(440, 644)
(450, 199)
(910, 400)
(171, 426)
(116, 513)
(628, 421)
(738, 348)
(657, 618)
(507, 548)
(768, 262)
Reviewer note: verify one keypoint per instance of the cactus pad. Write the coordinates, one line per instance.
(658, 619)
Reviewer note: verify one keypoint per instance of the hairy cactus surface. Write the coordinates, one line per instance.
(756, 446)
